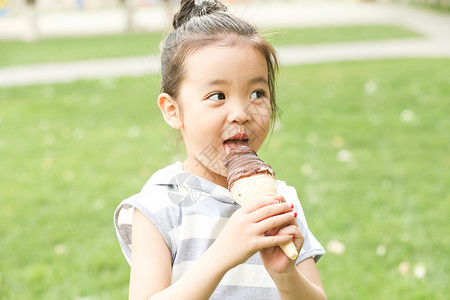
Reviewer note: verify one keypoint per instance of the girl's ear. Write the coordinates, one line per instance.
(170, 110)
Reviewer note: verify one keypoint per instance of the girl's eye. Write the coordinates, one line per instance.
(257, 94)
(217, 96)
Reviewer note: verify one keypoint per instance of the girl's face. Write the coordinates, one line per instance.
(225, 103)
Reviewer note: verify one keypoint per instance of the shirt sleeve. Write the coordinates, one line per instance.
(311, 246)
(151, 205)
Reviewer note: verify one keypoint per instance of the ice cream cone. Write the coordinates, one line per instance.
(260, 183)
(248, 189)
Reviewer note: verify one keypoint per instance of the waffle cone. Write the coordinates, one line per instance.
(252, 188)
(248, 189)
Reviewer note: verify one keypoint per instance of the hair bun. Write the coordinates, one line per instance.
(196, 8)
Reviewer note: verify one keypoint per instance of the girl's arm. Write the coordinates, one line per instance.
(302, 283)
(151, 268)
(293, 282)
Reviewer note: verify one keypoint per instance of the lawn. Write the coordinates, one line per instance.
(365, 143)
(67, 49)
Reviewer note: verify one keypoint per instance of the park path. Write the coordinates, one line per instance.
(434, 28)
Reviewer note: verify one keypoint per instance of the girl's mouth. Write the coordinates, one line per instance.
(238, 140)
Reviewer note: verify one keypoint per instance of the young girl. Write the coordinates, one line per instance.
(183, 235)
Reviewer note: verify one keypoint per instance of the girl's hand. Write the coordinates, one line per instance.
(244, 234)
(274, 259)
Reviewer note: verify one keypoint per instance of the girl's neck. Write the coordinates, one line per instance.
(200, 170)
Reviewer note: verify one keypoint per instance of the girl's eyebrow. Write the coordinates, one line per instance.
(215, 82)
(221, 81)
(259, 80)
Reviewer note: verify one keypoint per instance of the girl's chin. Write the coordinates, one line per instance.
(216, 176)
(204, 169)
(222, 172)
(218, 170)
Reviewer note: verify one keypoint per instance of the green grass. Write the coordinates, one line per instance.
(67, 49)
(79, 48)
(437, 6)
(338, 34)
(394, 192)
(71, 152)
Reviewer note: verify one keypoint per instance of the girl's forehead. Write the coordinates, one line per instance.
(226, 56)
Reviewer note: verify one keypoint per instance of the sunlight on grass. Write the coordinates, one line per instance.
(365, 143)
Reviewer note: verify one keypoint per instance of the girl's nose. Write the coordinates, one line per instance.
(239, 114)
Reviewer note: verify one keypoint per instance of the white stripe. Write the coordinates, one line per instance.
(125, 216)
(198, 226)
(155, 200)
(221, 191)
(248, 275)
(243, 275)
(179, 269)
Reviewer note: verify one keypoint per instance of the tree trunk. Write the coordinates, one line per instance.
(129, 14)
(31, 33)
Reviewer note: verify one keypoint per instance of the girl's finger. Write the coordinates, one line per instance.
(276, 240)
(276, 221)
(270, 211)
(291, 229)
(280, 198)
(294, 231)
(261, 202)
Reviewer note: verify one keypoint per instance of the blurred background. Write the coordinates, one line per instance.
(364, 136)
(33, 19)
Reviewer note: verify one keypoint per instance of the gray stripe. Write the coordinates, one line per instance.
(316, 254)
(192, 249)
(211, 208)
(125, 232)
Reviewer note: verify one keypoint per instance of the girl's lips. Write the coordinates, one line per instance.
(239, 136)
(238, 140)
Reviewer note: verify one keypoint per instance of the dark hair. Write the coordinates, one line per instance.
(201, 23)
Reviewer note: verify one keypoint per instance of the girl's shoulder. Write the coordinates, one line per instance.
(165, 175)
(156, 202)
(158, 191)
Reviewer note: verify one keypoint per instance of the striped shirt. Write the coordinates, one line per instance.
(190, 212)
